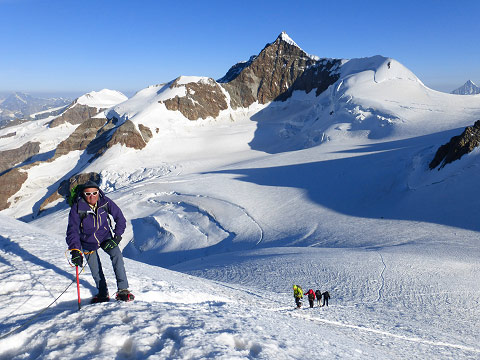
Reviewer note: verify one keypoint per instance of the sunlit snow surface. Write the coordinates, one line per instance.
(225, 215)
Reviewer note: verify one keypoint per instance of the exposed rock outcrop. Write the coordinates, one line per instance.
(81, 137)
(128, 135)
(319, 76)
(10, 158)
(66, 186)
(146, 132)
(75, 114)
(280, 68)
(235, 70)
(457, 146)
(8, 135)
(203, 99)
(125, 134)
(95, 136)
(10, 183)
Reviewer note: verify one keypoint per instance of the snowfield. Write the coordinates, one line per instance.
(225, 215)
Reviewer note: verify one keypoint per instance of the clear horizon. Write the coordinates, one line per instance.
(63, 48)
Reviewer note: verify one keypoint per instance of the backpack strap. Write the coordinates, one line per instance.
(82, 214)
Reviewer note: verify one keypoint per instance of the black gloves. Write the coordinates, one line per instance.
(77, 258)
(111, 243)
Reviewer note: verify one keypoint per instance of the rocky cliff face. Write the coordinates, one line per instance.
(203, 99)
(10, 158)
(273, 75)
(128, 135)
(279, 69)
(457, 147)
(81, 137)
(75, 114)
(10, 183)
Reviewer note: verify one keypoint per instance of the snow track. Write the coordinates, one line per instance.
(382, 277)
(388, 334)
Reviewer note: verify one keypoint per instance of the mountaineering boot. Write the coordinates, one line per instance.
(99, 299)
(124, 295)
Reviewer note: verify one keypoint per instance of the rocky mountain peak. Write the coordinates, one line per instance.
(284, 37)
(274, 74)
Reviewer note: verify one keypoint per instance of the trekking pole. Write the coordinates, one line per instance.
(78, 289)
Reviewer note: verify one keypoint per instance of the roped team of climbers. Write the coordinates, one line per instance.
(298, 295)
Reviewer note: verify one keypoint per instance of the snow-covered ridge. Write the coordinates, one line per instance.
(102, 99)
(183, 80)
(284, 36)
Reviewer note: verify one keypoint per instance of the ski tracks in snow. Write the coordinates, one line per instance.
(382, 277)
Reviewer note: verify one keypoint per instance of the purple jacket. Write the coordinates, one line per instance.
(89, 233)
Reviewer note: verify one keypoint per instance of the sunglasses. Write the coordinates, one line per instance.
(94, 193)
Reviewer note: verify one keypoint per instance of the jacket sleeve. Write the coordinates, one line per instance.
(73, 229)
(120, 221)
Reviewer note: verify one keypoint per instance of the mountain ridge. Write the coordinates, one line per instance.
(19, 105)
(344, 105)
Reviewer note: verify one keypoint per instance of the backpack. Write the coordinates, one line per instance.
(72, 197)
(318, 294)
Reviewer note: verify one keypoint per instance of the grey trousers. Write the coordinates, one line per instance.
(95, 265)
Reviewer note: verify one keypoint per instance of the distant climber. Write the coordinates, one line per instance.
(298, 295)
(318, 295)
(311, 297)
(389, 64)
(326, 296)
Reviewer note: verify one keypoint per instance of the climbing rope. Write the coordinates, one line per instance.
(42, 311)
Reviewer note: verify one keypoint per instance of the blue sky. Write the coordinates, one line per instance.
(78, 46)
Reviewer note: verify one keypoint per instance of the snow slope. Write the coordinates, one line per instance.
(381, 307)
(330, 192)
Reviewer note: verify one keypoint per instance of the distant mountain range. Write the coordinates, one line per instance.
(469, 88)
(18, 105)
